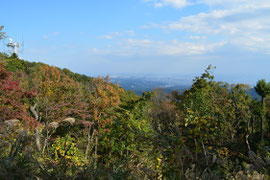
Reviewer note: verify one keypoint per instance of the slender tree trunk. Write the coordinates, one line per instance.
(247, 143)
(38, 140)
(35, 114)
(47, 133)
(45, 142)
(246, 137)
(89, 140)
(96, 147)
(204, 152)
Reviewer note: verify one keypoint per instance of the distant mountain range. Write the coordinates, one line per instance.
(147, 83)
(142, 84)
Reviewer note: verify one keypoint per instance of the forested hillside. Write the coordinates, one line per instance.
(56, 124)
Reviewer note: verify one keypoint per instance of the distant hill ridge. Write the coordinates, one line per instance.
(137, 85)
(14, 64)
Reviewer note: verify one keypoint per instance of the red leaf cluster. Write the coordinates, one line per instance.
(13, 98)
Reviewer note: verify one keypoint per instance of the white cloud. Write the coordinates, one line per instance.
(232, 3)
(116, 35)
(153, 25)
(147, 47)
(243, 23)
(174, 3)
(45, 37)
(55, 33)
(246, 25)
(130, 33)
(197, 37)
(106, 37)
(219, 4)
(158, 5)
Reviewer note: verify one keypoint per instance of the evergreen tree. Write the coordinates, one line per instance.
(263, 89)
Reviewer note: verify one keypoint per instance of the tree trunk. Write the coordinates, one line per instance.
(89, 140)
(246, 137)
(96, 146)
(247, 143)
(34, 112)
(38, 140)
(45, 142)
(204, 152)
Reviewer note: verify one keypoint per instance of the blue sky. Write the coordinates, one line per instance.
(145, 36)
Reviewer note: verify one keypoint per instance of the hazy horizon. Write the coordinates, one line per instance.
(162, 37)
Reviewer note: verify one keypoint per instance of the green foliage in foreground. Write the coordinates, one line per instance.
(55, 124)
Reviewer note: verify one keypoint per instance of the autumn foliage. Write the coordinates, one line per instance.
(55, 124)
(14, 100)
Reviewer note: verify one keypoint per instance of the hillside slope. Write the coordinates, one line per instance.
(56, 124)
